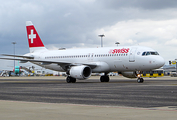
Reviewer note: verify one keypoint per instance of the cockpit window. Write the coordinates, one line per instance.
(154, 53)
(144, 53)
(150, 53)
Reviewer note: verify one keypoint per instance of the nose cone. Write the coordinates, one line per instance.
(160, 61)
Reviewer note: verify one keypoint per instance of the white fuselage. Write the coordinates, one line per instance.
(126, 58)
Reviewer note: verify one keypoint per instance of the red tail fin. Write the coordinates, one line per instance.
(34, 40)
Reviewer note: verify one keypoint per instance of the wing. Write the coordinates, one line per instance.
(63, 64)
(28, 57)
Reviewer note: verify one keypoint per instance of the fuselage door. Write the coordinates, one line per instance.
(132, 55)
(90, 57)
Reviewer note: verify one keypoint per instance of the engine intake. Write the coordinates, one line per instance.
(80, 72)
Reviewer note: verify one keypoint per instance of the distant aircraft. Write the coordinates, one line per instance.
(80, 63)
(17, 70)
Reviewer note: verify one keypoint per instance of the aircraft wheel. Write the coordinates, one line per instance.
(70, 80)
(140, 80)
(73, 80)
(104, 78)
(107, 78)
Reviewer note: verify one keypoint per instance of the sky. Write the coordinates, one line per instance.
(77, 24)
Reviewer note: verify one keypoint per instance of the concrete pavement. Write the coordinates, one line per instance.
(15, 110)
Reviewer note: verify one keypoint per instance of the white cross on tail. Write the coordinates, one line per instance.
(32, 36)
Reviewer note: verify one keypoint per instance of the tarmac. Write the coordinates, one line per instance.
(24, 110)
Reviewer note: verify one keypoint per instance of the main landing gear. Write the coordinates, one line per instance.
(70, 80)
(104, 78)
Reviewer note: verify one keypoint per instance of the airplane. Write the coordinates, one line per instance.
(79, 64)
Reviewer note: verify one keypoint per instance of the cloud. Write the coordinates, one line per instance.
(68, 23)
(141, 30)
(172, 42)
(143, 4)
(67, 14)
(159, 35)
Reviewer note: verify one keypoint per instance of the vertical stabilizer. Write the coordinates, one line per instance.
(35, 42)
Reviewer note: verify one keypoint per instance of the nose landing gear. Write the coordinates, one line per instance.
(140, 79)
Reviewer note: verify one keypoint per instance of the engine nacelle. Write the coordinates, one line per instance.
(80, 72)
(132, 74)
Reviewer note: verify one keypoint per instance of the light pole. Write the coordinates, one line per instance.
(14, 53)
(117, 43)
(101, 39)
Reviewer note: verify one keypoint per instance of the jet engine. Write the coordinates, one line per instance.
(132, 74)
(80, 72)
